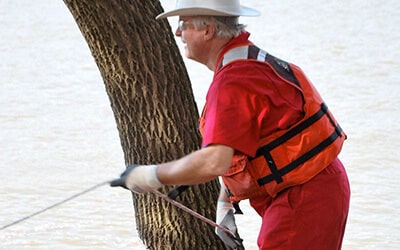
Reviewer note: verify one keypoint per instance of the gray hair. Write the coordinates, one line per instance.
(226, 26)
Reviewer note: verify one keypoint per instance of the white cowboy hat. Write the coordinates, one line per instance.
(209, 8)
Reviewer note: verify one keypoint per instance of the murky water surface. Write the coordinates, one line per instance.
(58, 135)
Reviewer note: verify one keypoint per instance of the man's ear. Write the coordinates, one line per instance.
(209, 31)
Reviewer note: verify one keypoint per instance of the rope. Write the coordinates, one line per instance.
(195, 214)
(156, 192)
(55, 205)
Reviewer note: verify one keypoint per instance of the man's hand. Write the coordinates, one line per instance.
(226, 219)
(138, 179)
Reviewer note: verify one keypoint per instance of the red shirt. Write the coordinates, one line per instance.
(247, 101)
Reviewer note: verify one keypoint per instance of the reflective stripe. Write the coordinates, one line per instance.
(235, 54)
(255, 53)
(262, 55)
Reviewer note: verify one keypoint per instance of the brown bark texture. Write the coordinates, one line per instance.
(154, 108)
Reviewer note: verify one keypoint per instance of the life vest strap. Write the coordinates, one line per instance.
(276, 174)
(280, 66)
(253, 52)
(305, 157)
(293, 132)
(174, 193)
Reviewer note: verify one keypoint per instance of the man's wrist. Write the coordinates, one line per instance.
(152, 180)
(143, 178)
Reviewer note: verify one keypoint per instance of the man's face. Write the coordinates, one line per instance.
(192, 39)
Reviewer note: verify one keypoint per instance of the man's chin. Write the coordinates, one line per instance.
(191, 57)
(188, 55)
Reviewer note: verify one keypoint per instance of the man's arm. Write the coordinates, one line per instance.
(198, 167)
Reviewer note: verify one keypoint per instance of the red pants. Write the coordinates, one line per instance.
(309, 216)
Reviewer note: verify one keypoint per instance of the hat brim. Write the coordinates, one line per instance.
(244, 11)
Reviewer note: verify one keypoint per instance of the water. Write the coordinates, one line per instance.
(58, 135)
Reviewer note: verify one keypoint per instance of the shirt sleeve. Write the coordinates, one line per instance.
(232, 116)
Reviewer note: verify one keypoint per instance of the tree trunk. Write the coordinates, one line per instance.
(154, 109)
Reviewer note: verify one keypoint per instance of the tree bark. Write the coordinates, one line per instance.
(154, 108)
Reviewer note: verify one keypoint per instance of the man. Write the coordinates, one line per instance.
(265, 130)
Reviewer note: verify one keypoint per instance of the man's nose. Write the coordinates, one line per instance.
(178, 32)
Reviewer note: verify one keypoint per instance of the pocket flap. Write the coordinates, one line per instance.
(238, 165)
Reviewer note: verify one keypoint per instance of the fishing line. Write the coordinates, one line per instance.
(56, 204)
(195, 214)
(156, 192)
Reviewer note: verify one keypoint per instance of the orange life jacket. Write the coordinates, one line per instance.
(289, 157)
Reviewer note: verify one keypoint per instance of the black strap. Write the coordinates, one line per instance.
(237, 208)
(174, 193)
(272, 166)
(276, 174)
(294, 131)
(282, 67)
(266, 149)
(305, 157)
